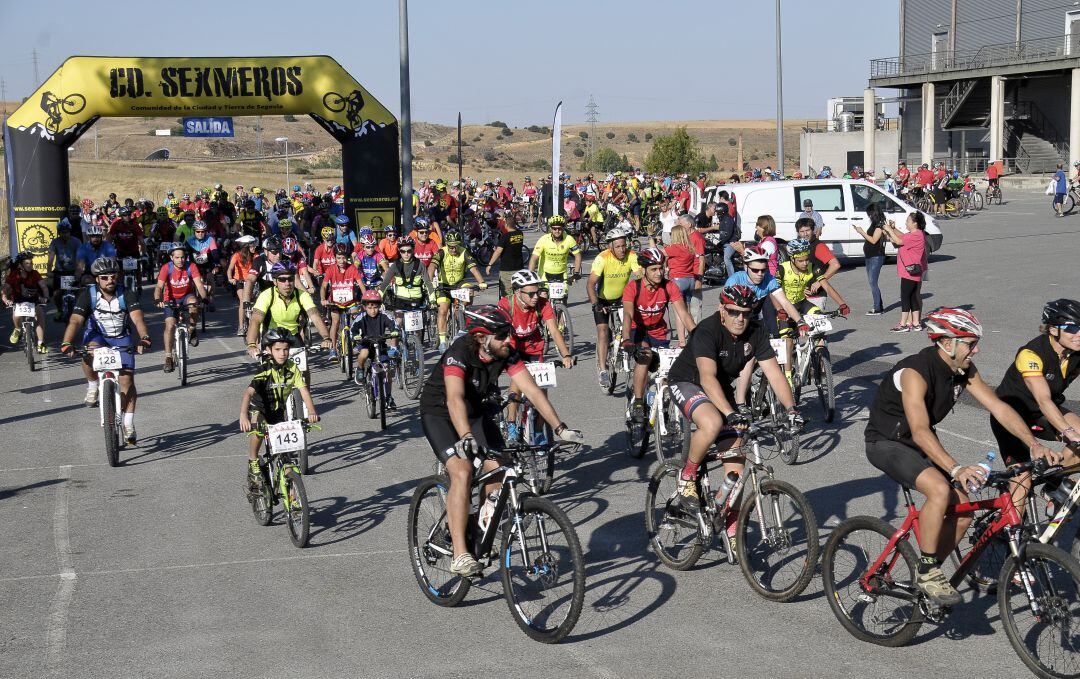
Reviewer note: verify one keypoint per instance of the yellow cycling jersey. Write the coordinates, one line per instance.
(452, 268)
(593, 213)
(283, 313)
(1029, 364)
(613, 273)
(794, 282)
(554, 256)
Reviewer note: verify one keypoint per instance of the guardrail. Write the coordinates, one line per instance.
(1000, 54)
(815, 126)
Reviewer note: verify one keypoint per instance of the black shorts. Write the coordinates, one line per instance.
(1015, 451)
(899, 461)
(688, 396)
(601, 317)
(442, 436)
(790, 327)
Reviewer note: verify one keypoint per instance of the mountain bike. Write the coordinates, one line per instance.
(813, 366)
(869, 569)
(557, 293)
(533, 431)
(617, 359)
(132, 280)
(27, 311)
(766, 407)
(68, 293)
(380, 370)
(776, 533)
(1072, 198)
(180, 340)
(460, 298)
(281, 478)
(664, 425)
(993, 193)
(345, 344)
(539, 556)
(410, 369)
(107, 364)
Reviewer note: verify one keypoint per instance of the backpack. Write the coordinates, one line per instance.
(93, 289)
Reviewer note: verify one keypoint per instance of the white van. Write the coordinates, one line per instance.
(841, 202)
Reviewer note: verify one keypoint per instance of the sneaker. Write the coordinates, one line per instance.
(129, 435)
(900, 328)
(605, 379)
(391, 404)
(193, 338)
(42, 349)
(170, 364)
(466, 566)
(441, 349)
(332, 354)
(686, 498)
(916, 328)
(875, 312)
(936, 588)
(637, 412)
(734, 551)
(254, 479)
(240, 332)
(91, 396)
(16, 335)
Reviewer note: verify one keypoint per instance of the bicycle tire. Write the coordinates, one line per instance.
(110, 417)
(666, 531)
(952, 207)
(562, 317)
(298, 519)
(907, 619)
(1022, 643)
(821, 365)
(414, 365)
(771, 538)
(977, 200)
(28, 344)
(612, 367)
(181, 357)
(336, 99)
(370, 396)
(449, 590)
(384, 390)
(73, 103)
(547, 563)
(1068, 205)
(637, 433)
(262, 505)
(786, 439)
(997, 195)
(669, 447)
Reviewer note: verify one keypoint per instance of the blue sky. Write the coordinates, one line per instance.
(509, 61)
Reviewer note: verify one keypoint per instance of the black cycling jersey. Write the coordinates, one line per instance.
(712, 340)
(481, 378)
(272, 386)
(943, 389)
(260, 266)
(1037, 357)
(366, 326)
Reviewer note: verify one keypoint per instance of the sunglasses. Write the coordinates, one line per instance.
(501, 335)
(108, 276)
(534, 293)
(285, 280)
(423, 231)
(1071, 328)
(274, 252)
(754, 269)
(971, 343)
(738, 313)
(405, 251)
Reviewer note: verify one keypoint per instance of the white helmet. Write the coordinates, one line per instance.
(754, 254)
(617, 233)
(246, 240)
(524, 277)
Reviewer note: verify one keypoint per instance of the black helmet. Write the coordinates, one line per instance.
(23, 256)
(124, 210)
(272, 243)
(105, 265)
(249, 204)
(487, 319)
(1061, 312)
(278, 334)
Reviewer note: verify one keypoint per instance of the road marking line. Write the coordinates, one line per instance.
(46, 381)
(966, 438)
(56, 631)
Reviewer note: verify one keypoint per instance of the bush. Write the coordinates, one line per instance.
(289, 118)
(540, 164)
(583, 135)
(648, 136)
(632, 138)
(332, 162)
(605, 160)
(539, 129)
(713, 166)
(428, 142)
(496, 123)
(498, 138)
(507, 132)
(755, 156)
(674, 153)
(490, 156)
(732, 141)
(478, 138)
(610, 135)
(452, 158)
(578, 153)
(300, 168)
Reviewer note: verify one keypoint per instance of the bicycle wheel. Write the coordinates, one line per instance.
(669, 444)
(673, 534)
(637, 433)
(952, 207)
(890, 614)
(984, 572)
(778, 551)
(821, 369)
(1047, 640)
(73, 103)
(612, 366)
(414, 365)
(430, 546)
(262, 505)
(371, 396)
(1069, 204)
(111, 421)
(384, 390)
(334, 102)
(28, 344)
(786, 440)
(997, 194)
(543, 571)
(562, 317)
(976, 200)
(181, 357)
(297, 512)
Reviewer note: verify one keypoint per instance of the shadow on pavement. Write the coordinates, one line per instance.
(6, 493)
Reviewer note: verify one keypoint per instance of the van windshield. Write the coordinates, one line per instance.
(864, 194)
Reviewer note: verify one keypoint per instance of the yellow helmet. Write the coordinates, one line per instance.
(256, 190)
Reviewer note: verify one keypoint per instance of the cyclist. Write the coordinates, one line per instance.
(610, 272)
(911, 400)
(203, 251)
(259, 273)
(527, 309)
(109, 314)
(284, 306)
(797, 278)
(645, 303)
(324, 257)
(369, 262)
(551, 254)
(23, 283)
(338, 290)
(93, 249)
(185, 228)
(407, 280)
(425, 244)
(449, 266)
(700, 381)
(236, 273)
(264, 399)
(251, 220)
(458, 407)
(371, 324)
(594, 216)
(344, 234)
(63, 253)
(163, 229)
(388, 245)
(178, 281)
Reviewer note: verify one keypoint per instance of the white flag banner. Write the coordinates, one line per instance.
(556, 143)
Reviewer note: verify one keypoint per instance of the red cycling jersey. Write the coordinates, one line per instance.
(179, 283)
(526, 337)
(342, 285)
(324, 257)
(425, 251)
(125, 237)
(650, 305)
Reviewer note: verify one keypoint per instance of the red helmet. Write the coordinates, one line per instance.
(342, 249)
(651, 257)
(371, 295)
(738, 295)
(487, 319)
(954, 323)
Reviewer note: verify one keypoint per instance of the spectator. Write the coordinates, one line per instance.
(1061, 187)
(911, 263)
(685, 268)
(668, 215)
(508, 252)
(874, 253)
(809, 211)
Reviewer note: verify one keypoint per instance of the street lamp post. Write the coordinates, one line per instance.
(288, 180)
(779, 98)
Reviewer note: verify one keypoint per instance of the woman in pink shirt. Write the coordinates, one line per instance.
(911, 263)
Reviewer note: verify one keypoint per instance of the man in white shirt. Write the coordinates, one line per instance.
(810, 212)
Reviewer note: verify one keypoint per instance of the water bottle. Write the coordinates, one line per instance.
(488, 510)
(972, 488)
(730, 479)
(649, 396)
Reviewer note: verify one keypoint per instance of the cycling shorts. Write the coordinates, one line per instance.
(804, 307)
(93, 336)
(1015, 451)
(899, 461)
(601, 317)
(188, 300)
(443, 293)
(442, 436)
(257, 413)
(688, 396)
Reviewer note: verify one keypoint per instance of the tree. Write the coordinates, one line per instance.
(578, 153)
(675, 153)
(732, 141)
(605, 160)
(452, 158)
(610, 135)
(496, 123)
(648, 136)
(632, 138)
(713, 165)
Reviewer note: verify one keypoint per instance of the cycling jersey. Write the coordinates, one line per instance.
(203, 251)
(452, 268)
(1037, 357)
(107, 317)
(239, 267)
(125, 237)
(554, 256)
(164, 231)
(943, 388)
(613, 273)
(593, 213)
(272, 386)
(65, 254)
(88, 254)
(526, 336)
(481, 378)
(369, 267)
(178, 283)
(184, 231)
(324, 257)
(710, 339)
(283, 313)
(367, 326)
(388, 248)
(342, 285)
(25, 287)
(407, 280)
(794, 282)
(650, 304)
(251, 223)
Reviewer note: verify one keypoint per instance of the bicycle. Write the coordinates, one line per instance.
(766, 407)
(533, 430)
(107, 364)
(411, 366)
(993, 192)
(345, 342)
(665, 426)
(557, 294)
(813, 366)
(1072, 198)
(380, 373)
(71, 104)
(68, 292)
(282, 478)
(539, 555)
(180, 340)
(861, 580)
(460, 298)
(27, 311)
(132, 278)
(776, 533)
(617, 360)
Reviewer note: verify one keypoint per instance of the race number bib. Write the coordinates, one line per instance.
(462, 294)
(818, 323)
(67, 282)
(556, 289)
(166, 247)
(780, 347)
(341, 295)
(285, 437)
(106, 358)
(25, 309)
(130, 264)
(413, 321)
(667, 358)
(542, 373)
(299, 357)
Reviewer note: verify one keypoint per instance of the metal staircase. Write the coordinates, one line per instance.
(954, 101)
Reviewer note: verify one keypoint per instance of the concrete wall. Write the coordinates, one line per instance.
(831, 148)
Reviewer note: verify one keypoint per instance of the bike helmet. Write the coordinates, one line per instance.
(272, 243)
(174, 202)
(371, 295)
(342, 249)
(616, 233)
(256, 190)
(186, 196)
(798, 246)
(421, 222)
(341, 219)
(406, 243)
(105, 265)
(524, 277)
(487, 319)
(738, 295)
(178, 246)
(754, 253)
(285, 224)
(87, 203)
(249, 204)
(327, 232)
(162, 211)
(94, 230)
(557, 220)
(1061, 312)
(24, 256)
(367, 240)
(282, 267)
(199, 225)
(651, 257)
(452, 238)
(953, 323)
(278, 334)
(124, 210)
(246, 240)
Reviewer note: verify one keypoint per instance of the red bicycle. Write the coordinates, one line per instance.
(869, 571)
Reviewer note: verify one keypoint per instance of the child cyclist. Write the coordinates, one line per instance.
(264, 400)
(367, 326)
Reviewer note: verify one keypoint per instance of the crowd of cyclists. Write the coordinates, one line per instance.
(298, 267)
